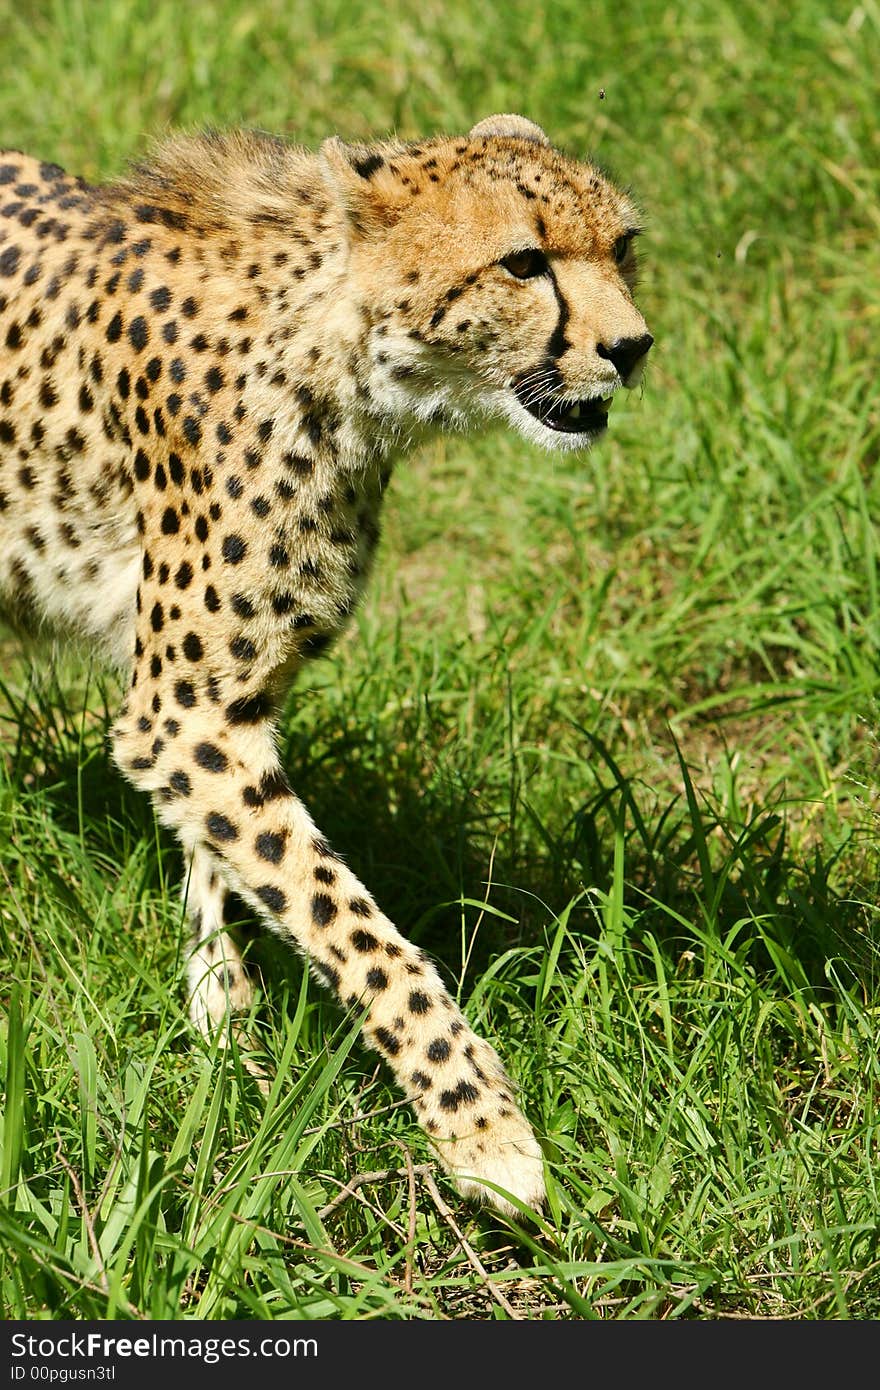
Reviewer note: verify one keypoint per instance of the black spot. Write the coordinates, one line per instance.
(191, 428)
(323, 909)
(170, 522)
(160, 298)
(183, 577)
(270, 846)
(367, 165)
(272, 897)
(179, 781)
(303, 467)
(360, 907)
(9, 260)
(419, 1003)
(464, 1092)
(438, 1050)
(212, 599)
(242, 648)
(220, 827)
(192, 647)
(157, 618)
(114, 329)
(324, 875)
(185, 694)
(377, 979)
(214, 379)
(419, 1079)
(274, 785)
(242, 606)
(364, 941)
(210, 757)
(282, 603)
(138, 333)
(123, 384)
(249, 709)
(234, 549)
(387, 1041)
(329, 974)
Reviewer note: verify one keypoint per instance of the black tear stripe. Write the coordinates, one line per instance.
(558, 343)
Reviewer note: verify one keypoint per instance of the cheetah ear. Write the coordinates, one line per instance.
(509, 127)
(359, 177)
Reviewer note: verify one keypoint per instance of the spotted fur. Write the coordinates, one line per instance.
(206, 372)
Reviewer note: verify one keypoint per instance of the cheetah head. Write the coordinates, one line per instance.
(496, 275)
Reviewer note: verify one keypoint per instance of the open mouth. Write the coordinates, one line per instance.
(588, 416)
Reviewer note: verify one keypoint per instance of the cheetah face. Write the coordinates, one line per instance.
(554, 337)
(506, 274)
(597, 346)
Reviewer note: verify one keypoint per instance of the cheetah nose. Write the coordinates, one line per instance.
(624, 353)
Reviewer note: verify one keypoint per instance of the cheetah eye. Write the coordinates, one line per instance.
(622, 245)
(525, 265)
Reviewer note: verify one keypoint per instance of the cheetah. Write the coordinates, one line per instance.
(207, 371)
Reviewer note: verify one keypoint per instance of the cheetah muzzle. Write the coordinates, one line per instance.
(207, 370)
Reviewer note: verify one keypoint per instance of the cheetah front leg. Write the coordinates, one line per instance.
(218, 982)
(222, 789)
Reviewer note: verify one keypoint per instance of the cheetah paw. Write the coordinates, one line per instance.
(507, 1156)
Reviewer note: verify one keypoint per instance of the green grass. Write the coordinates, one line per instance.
(603, 739)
